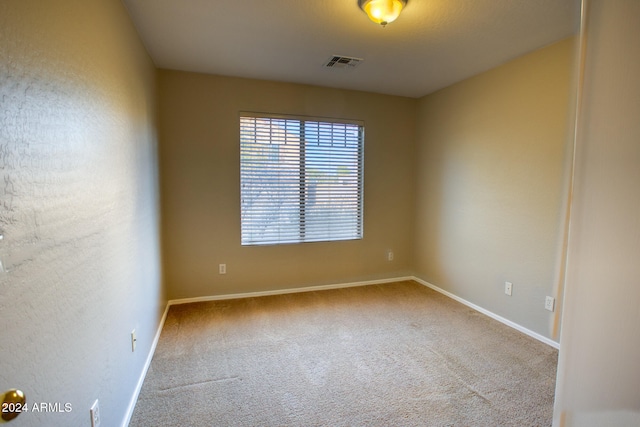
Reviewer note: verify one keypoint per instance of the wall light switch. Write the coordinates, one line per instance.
(222, 268)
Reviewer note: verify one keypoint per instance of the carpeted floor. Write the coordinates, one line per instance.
(397, 354)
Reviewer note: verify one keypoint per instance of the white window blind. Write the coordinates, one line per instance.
(301, 180)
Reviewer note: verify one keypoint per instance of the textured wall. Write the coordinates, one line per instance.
(491, 153)
(598, 371)
(78, 207)
(200, 164)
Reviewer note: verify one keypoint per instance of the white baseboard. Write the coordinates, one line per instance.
(145, 368)
(500, 319)
(288, 291)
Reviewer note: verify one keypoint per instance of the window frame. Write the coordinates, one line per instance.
(303, 190)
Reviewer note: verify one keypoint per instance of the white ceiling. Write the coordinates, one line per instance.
(433, 44)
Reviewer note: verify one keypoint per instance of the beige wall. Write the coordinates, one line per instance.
(489, 203)
(78, 207)
(598, 372)
(200, 164)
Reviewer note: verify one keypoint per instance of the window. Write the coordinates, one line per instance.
(300, 179)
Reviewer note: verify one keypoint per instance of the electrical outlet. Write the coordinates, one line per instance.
(549, 302)
(95, 414)
(134, 339)
(389, 255)
(508, 288)
(222, 268)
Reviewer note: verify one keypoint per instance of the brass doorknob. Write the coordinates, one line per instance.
(13, 404)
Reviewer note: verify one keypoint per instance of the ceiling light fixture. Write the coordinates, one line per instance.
(382, 11)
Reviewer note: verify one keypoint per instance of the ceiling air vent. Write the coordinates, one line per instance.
(346, 62)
